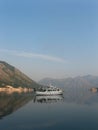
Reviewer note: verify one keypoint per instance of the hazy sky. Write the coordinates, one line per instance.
(50, 38)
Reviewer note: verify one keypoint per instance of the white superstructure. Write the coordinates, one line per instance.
(51, 90)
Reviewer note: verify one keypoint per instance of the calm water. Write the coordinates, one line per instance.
(75, 110)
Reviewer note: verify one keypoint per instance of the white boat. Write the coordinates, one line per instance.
(50, 90)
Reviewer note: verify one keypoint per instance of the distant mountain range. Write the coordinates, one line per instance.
(87, 81)
(9, 75)
(80, 90)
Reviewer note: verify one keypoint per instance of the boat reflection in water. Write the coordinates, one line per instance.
(10, 103)
(48, 99)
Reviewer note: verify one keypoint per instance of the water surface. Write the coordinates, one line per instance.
(75, 110)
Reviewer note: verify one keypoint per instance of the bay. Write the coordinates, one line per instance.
(75, 110)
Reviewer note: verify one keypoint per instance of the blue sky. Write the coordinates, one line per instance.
(50, 38)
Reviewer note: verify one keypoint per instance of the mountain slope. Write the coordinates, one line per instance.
(10, 75)
(80, 81)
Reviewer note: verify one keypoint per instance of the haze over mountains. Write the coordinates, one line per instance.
(9, 75)
(77, 90)
(87, 81)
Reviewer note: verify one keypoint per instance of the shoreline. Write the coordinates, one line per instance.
(10, 89)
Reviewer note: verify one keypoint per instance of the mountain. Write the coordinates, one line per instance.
(9, 75)
(87, 81)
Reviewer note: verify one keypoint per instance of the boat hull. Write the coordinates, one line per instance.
(49, 93)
